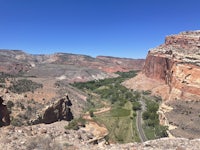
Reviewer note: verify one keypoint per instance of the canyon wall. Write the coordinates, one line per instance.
(175, 64)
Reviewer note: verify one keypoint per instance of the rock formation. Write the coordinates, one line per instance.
(58, 110)
(176, 63)
(4, 114)
(172, 71)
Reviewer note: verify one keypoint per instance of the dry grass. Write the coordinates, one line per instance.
(43, 143)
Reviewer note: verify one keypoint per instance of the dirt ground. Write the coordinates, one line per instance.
(186, 116)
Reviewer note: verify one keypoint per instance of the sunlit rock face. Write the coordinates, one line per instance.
(176, 63)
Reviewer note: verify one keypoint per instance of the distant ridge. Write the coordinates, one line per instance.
(15, 61)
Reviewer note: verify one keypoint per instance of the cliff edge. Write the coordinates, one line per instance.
(172, 69)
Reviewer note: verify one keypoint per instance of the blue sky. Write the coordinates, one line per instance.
(121, 28)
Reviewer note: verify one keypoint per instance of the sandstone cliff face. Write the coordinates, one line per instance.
(172, 71)
(157, 67)
(177, 64)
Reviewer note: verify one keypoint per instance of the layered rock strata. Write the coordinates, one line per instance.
(176, 63)
(17, 61)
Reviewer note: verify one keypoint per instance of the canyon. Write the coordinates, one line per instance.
(172, 71)
(175, 67)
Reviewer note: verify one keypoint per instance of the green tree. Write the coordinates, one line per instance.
(161, 131)
(136, 106)
(91, 113)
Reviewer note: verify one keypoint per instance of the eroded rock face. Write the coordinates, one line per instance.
(59, 110)
(4, 114)
(177, 63)
(158, 67)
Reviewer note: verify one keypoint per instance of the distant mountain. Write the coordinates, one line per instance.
(69, 65)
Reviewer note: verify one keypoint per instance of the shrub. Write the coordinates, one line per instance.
(16, 122)
(75, 124)
(136, 106)
(42, 143)
(24, 85)
(10, 104)
(161, 131)
(148, 92)
(91, 113)
(19, 104)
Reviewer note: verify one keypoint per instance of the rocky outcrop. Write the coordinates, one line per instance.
(176, 64)
(157, 67)
(4, 114)
(58, 110)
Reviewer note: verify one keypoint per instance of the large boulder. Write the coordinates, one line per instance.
(4, 114)
(58, 110)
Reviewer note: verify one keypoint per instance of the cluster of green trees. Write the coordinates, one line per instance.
(90, 85)
(111, 88)
(3, 76)
(151, 119)
(24, 85)
(150, 115)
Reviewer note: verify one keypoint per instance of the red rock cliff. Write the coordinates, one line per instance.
(176, 64)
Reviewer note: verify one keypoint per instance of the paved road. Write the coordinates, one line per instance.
(139, 123)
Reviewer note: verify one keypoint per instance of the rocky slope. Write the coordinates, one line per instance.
(175, 64)
(55, 137)
(15, 61)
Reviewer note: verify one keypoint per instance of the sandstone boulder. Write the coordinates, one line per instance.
(58, 110)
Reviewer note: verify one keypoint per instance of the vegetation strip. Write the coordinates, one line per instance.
(120, 120)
